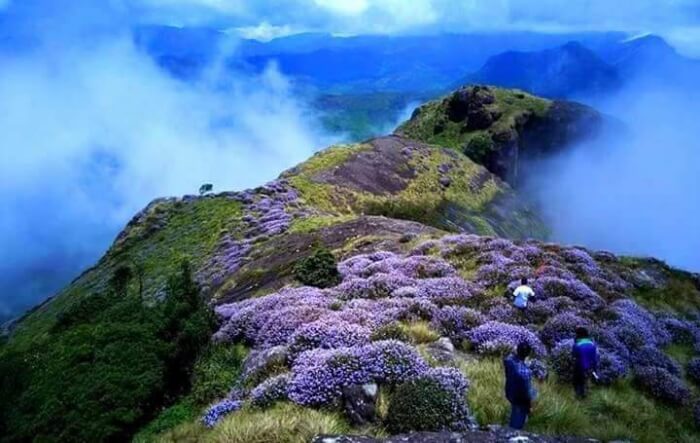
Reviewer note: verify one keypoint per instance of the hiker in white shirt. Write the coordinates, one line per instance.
(522, 294)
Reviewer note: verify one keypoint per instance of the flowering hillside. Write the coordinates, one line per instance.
(418, 249)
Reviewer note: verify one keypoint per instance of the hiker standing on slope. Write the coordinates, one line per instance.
(522, 294)
(585, 354)
(519, 390)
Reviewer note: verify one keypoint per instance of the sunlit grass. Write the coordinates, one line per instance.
(285, 423)
(609, 413)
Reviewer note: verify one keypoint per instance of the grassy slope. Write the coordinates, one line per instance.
(467, 199)
(513, 105)
(188, 230)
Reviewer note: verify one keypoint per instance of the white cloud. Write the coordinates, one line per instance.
(90, 135)
(345, 7)
(264, 31)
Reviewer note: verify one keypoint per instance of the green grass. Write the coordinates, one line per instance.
(609, 413)
(310, 224)
(679, 295)
(190, 230)
(511, 103)
(284, 423)
(420, 332)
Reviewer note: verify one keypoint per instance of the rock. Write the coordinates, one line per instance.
(360, 403)
(494, 434)
(257, 363)
(441, 350)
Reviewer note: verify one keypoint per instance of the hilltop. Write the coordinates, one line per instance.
(367, 278)
(502, 128)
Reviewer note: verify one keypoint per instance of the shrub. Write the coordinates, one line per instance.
(456, 321)
(318, 375)
(216, 371)
(270, 391)
(538, 368)
(219, 410)
(433, 402)
(661, 384)
(318, 269)
(390, 331)
(563, 360)
(693, 369)
(561, 327)
(99, 378)
(651, 356)
(479, 147)
(496, 337)
(611, 367)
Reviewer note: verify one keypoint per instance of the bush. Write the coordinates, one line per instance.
(216, 371)
(479, 147)
(432, 402)
(99, 377)
(563, 360)
(693, 369)
(318, 269)
(661, 384)
(390, 331)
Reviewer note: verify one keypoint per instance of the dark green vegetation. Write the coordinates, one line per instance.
(453, 120)
(419, 405)
(106, 365)
(318, 269)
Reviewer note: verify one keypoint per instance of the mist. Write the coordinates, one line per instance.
(636, 191)
(92, 129)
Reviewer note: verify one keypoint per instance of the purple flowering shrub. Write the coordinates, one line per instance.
(639, 326)
(456, 321)
(219, 410)
(318, 376)
(661, 384)
(497, 337)
(651, 356)
(538, 368)
(610, 367)
(327, 333)
(271, 390)
(563, 360)
(561, 327)
(693, 369)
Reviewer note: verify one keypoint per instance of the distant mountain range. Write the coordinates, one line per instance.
(575, 71)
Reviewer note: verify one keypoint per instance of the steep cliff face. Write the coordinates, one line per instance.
(502, 128)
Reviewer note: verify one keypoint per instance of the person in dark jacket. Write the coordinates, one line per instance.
(585, 354)
(519, 390)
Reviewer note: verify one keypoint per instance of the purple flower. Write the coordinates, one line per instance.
(456, 321)
(561, 327)
(538, 368)
(219, 410)
(327, 333)
(502, 337)
(270, 391)
(563, 360)
(693, 369)
(651, 356)
(318, 376)
(611, 367)
(663, 385)
(454, 288)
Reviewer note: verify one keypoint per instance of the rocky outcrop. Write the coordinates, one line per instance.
(502, 129)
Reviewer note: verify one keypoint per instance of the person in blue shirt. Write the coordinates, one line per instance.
(519, 390)
(585, 354)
